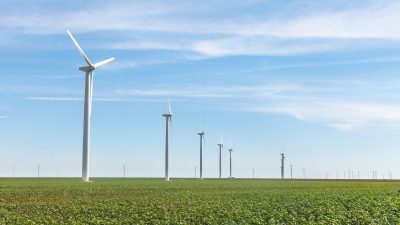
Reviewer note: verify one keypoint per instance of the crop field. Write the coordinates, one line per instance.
(186, 201)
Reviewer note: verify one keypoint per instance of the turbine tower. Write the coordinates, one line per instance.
(124, 172)
(168, 119)
(291, 171)
(220, 145)
(201, 134)
(282, 165)
(89, 71)
(230, 162)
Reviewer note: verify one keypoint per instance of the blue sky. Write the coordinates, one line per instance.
(317, 80)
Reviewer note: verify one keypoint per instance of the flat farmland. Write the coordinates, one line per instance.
(189, 201)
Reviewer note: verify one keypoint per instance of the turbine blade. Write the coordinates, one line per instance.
(103, 62)
(169, 106)
(80, 49)
(204, 142)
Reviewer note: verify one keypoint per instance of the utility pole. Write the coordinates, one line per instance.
(38, 170)
(282, 165)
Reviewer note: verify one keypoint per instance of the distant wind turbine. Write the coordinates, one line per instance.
(220, 145)
(230, 159)
(282, 165)
(291, 171)
(124, 172)
(201, 134)
(168, 119)
(89, 71)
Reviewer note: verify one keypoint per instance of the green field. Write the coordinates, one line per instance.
(181, 201)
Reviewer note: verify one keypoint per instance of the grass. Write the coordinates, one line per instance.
(186, 201)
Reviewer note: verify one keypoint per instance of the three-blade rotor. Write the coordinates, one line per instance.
(90, 66)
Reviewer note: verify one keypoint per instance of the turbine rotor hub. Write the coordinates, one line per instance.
(86, 69)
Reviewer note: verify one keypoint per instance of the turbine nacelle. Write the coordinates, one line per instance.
(167, 115)
(87, 69)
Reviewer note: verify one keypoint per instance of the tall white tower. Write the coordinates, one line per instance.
(168, 118)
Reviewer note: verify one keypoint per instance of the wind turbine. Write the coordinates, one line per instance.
(89, 71)
(201, 134)
(282, 165)
(124, 171)
(230, 160)
(168, 119)
(220, 145)
(291, 171)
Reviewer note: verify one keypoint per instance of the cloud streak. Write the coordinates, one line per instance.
(194, 91)
(52, 98)
(377, 21)
(309, 32)
(345, 116)
(308, 103)
(297, 100)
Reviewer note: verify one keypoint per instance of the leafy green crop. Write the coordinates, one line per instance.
(181, 201)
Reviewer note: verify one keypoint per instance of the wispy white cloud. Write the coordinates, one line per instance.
(347, 113)
(259, 45)
(308, 32)
(195, 91)
(377, 21)
(346, 127)
(304, 102)
(188, 91)
(52, 98)
(345, 116)
(101, 99)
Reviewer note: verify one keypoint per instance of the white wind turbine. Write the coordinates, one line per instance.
(221, 145)
(89, 71)
(201, 134)
(168, 120)
(230, 159)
